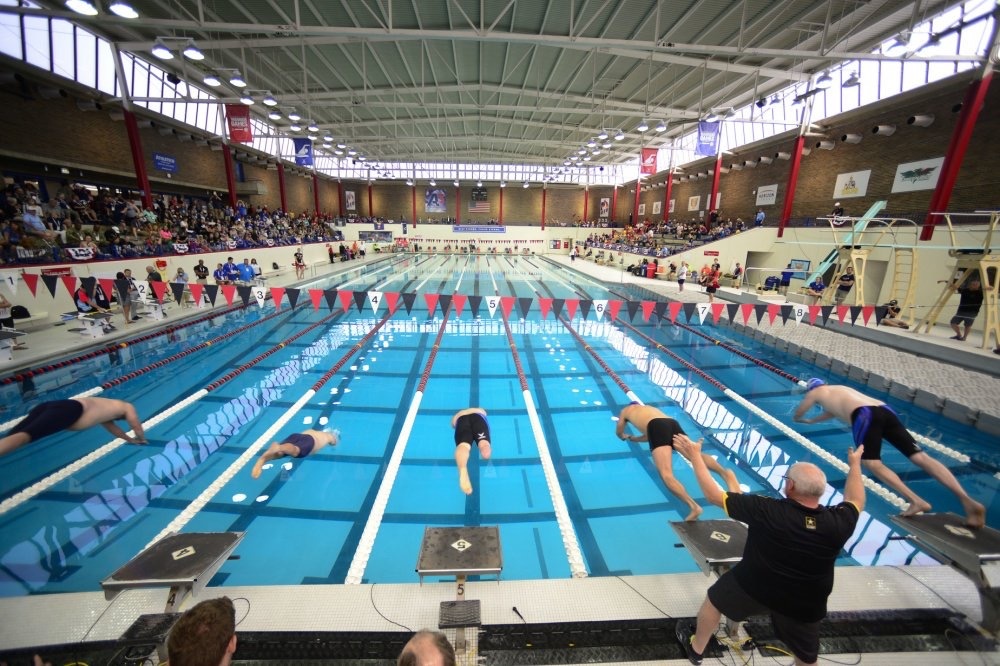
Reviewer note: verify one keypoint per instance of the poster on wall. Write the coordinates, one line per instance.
(694, 203)
(656, 207)
(642, 209)
(767, 195)
(435, 200)
(913, 176)
(853, 184)
(350, 200)
(605, 207)
(670, 208)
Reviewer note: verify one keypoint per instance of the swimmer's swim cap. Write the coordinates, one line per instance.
(813, 383)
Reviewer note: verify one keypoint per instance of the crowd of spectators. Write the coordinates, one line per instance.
(665, 238)
(77, 223)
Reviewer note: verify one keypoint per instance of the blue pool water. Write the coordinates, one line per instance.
(304, 519)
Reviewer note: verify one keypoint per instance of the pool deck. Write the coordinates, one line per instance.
(959, 376)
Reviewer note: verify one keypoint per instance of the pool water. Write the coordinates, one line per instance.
(391, 383)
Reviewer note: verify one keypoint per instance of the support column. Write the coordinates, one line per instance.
(715, 183)
(371, 206)
(227, 159)
(545, 194)
(340, 198)
(316, 193)
(793, 180)
(635, 204)
(666, 199)
(458, 205)
(281, 187)
(614, 205)
(138, 159)
(413, 204)
(501, 206)
(586, 201)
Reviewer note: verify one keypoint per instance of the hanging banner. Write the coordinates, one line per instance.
(238, 118)
(303, 151)
(708, 139)
(648, 163)
(605, 206)
(435, 200)
(350, 200)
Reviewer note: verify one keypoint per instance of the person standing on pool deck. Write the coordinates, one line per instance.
(872, 421)
(659, 429)
(470, 428)
(54, 416)
(297, 445)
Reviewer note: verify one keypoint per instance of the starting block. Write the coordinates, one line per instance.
(8, 339)
(974, 553)
(716, 545)
(94, 323)
(155, 310)
(460, 552)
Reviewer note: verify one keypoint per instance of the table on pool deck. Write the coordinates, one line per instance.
(460, 552)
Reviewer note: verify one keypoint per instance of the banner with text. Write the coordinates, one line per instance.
(648, 160)
(238, 118)
(708, 139)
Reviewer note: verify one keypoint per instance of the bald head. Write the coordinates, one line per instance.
(808, 478)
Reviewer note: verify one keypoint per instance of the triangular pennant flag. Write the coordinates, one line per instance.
(107, 286)
(855, 313)
(245, 293)
(772, 312)
(409, 298)
(330, 296)
(675, 308)
(345, 299)
(786, 312)
(50, 282)
(475, 302)
(375, 300)
(557, 306)
(647, 309)
(258, 294)
(197, 292)
(31, 280)
(545, 304)
(842, 312)
(177, 290)
(731, 311)
(799, 311)
(585, 305)
(213, 292)
(814, 311)
(88, 284)
(866, 313)
(315, 295)
(70, 282)
(506, 305)
(431, 301)
(524, 305)
(277, 293)
(159, 290)
(229, 292)
(9, 280)
(360, 298)
(746, 309)
(614, 307)
(702, 309)
(445, 301)
(458, 302)
(759, 310)
(880, 312)
(717, 309)
(122, 288)
(293, 296)
(689, 311)
(827, 310)
(571, 305)
(600, 306)
(660, 309)
(392, 300)
(492, 303)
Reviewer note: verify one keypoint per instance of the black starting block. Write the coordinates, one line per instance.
(715, 545)
(460, 552)
(182, 562)
(975, 553)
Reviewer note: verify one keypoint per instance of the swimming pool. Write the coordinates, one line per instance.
(569, 497)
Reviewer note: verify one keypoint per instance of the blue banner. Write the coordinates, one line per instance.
(478, 229)
(303, 151)
(163, 162)
(708, 139)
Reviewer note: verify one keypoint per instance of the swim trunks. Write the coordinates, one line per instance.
(871, 425)
(472, 429)
(660, 432)
(49, 418)
(305, 443)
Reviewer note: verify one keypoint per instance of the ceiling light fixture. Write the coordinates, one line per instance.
(479, 183)
(619, 136)
(852, 81)
(295, 127)
(274, 115)
(212, 80)
(824, 81)
(352, 152)
(526, 185)
(312, 126)
(591, 144)
(82, 7)
(661, 126)
(269, 100)
(582, 151)
(247, 99)
(503, 183)
(899, 46)
(456, 182)
(595, 151)
(603, 135)
(192, 52)
(122, 9)
(432, 182)
(643, 126)
(296, 117)
(328, 138)
(237, 79)
(161, 51)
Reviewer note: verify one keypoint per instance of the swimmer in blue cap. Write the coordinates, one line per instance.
(872, 421)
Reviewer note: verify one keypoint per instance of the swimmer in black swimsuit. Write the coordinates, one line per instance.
(51, 417)
(297, 445)
(470, 427)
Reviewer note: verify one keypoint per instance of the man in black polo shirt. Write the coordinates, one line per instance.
(201, 272)
(787, 565)
(844, 285)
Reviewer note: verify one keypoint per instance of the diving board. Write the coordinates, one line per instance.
(973, 552)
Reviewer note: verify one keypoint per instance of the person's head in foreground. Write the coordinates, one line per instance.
(205, 635)
(427, 648)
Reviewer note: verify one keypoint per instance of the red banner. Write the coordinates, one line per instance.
(648, 164)
(238, 117)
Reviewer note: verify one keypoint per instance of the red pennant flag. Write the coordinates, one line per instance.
(228, 292)
(674, 309)
(159, 290)
(571, 305)
(316, 296)
(507, 304)
(842, 311)
(746, 309)
(772, 311)
(458, 302)
(197, 290)
(107, 286)
(866, 313)
(814, 311)
(30, 279)
(647, 309)
(431, 300)
(70, 282)
(392, 300)
(614, 307)
(717, 309)
(345, 299)
(545, 304)
(277, 293)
